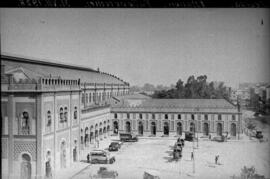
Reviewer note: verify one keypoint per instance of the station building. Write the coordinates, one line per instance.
(52, 114)
(145, 116)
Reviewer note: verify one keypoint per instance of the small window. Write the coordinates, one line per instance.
(66, 114)
(61, 113)
(166, 116)
(140, 116)
(205, 117)
(49, 118)
(153, 116)
(115, 115)
(179, 116)
(219, 117)
(233, 117)
(172, 116)
(128, 115)
(192, 116)
(75, 113)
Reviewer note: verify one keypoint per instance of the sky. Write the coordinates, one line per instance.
(157, 46)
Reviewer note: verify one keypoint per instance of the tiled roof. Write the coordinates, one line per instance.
(46, 69)
(133, 96)
(178, 105)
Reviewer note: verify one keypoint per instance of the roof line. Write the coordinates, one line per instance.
(48, 63)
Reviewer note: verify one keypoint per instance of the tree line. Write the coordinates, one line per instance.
(195, 88)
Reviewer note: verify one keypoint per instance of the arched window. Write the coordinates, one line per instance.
(66, 114)
(75, 115)
(25, 126)
(166, 116)
(128, 115)
(140, 116)
(61, 114)
(115, 115)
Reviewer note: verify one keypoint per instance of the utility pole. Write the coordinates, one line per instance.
(193, 151)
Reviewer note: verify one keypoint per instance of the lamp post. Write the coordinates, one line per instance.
(193, 151)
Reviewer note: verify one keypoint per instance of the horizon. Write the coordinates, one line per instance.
(146, 46)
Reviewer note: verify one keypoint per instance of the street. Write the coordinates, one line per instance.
(156, 154)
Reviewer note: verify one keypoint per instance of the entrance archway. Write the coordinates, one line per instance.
(74, 152)
(179, 128)
(205, 129)
(233, 129)
(128, 128)
(140, 128)
(219, 129)
(115, 127)
(26, 167)
(153, 128)
(166, 128)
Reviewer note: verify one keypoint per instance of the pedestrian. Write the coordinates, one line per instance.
(216, 159)
(88, 158)
(192, 156)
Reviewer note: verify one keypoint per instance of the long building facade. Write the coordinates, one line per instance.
(173, 117)
(52, 114)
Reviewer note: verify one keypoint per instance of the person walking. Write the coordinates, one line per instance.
(192, 156)
(216, 159)
(88, 158)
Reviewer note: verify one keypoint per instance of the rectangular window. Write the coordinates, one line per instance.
(153, 116)
(192, 116)
(140, 116)
(172, 116)
(179, 116)
(115, 115)
(146, 116)
(166, 116)
(134, 115)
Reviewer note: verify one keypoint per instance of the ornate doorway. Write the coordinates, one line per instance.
(128, 128)
(140, 128)
(219, 129)
(26, 167)
(179, 128)
(233, 129)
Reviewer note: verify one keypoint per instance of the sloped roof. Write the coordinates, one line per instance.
(133, 96)
(39, 68)
(178, 105)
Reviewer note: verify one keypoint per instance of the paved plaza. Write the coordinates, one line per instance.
(156, 154)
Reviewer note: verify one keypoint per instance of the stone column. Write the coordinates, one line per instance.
(11, 117)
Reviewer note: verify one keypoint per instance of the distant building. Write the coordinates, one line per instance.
(172, 117)
(52, 114)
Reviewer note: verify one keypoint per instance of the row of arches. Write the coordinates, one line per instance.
(179, 128)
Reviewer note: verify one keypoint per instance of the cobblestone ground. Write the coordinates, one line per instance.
(155, 154)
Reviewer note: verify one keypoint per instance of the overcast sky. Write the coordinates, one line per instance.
(156, 46)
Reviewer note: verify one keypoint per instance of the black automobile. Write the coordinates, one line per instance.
(114, 146)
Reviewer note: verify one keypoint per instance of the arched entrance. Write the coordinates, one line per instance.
(128, 129)
(153, 128)
(115, 127)
(219, 129)
(233, 129)
(104, 131)
(26, 167)
(179, 128)
(166, 128)
(91, 134)
(205, 129)
(48, 169)
(192, 127)
(63, 154)
(140, 128)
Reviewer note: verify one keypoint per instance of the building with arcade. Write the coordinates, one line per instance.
(52, 113)
(172, 117)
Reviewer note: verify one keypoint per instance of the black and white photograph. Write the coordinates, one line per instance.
(135, 93)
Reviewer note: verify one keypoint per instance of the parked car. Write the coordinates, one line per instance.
(128, 137)
(177, 151)
(151, 174)
(101, 156)
(189, 136)
(219, 138)
(114, 146)
(259, 134)
(103, 172)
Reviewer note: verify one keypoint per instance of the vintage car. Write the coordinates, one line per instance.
(101, 156)
(128, 137)
(114, 146)
(177, 152)
(151, 174)
(259, 134)
(189, 136)
(103, 172)
(218, 138)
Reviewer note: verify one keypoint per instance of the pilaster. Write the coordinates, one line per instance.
(11, 117)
